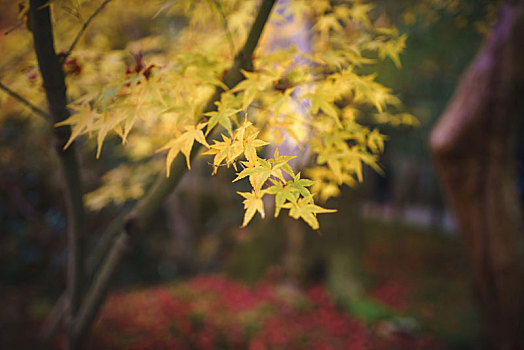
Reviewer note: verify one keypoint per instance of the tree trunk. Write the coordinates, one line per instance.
(473, 148)
(53, 78)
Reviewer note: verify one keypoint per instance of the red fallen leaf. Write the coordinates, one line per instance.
(207, 312)
(392, 293)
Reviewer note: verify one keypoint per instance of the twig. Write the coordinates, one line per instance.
(13, 28)
(24, 101)
(226, 26)
(84, 27)
(53, 320)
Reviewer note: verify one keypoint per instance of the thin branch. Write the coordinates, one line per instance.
(226, 26)
(98, 290)
(84, 27)
(53, 321)
(24, 101)
(92, 264)
(97, 254)
(13, 28)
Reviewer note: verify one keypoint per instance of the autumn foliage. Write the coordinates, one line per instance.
(215, 312)
(316, 101)
(175, 80)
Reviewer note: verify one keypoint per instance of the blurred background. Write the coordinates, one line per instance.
(390, 260)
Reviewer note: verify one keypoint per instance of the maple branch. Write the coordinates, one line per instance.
(164, 186)
(243, 59)
(96, 256)
(83, 29)
(55, 316)
(226, 26)
(24, 101)
(55, 89)
(257, 28)
(127, 232)
(98, 291)
(53, 320)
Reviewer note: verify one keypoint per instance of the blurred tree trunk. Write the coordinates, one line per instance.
(345, 272)
(182, 231)
(294, 31)
(293, 259)
(473, 147)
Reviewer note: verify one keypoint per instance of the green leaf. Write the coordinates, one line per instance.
(300, 185)
(257, 174)
(222, 117)
(260, 171)
(282, 194)
(306, 210)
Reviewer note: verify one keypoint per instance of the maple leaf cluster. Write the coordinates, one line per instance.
(319, 100)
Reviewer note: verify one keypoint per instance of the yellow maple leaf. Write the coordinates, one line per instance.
(81, 122)
(252, 203)
(306, 210)
(184, 143)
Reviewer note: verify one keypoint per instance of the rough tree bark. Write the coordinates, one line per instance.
(473, 148)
